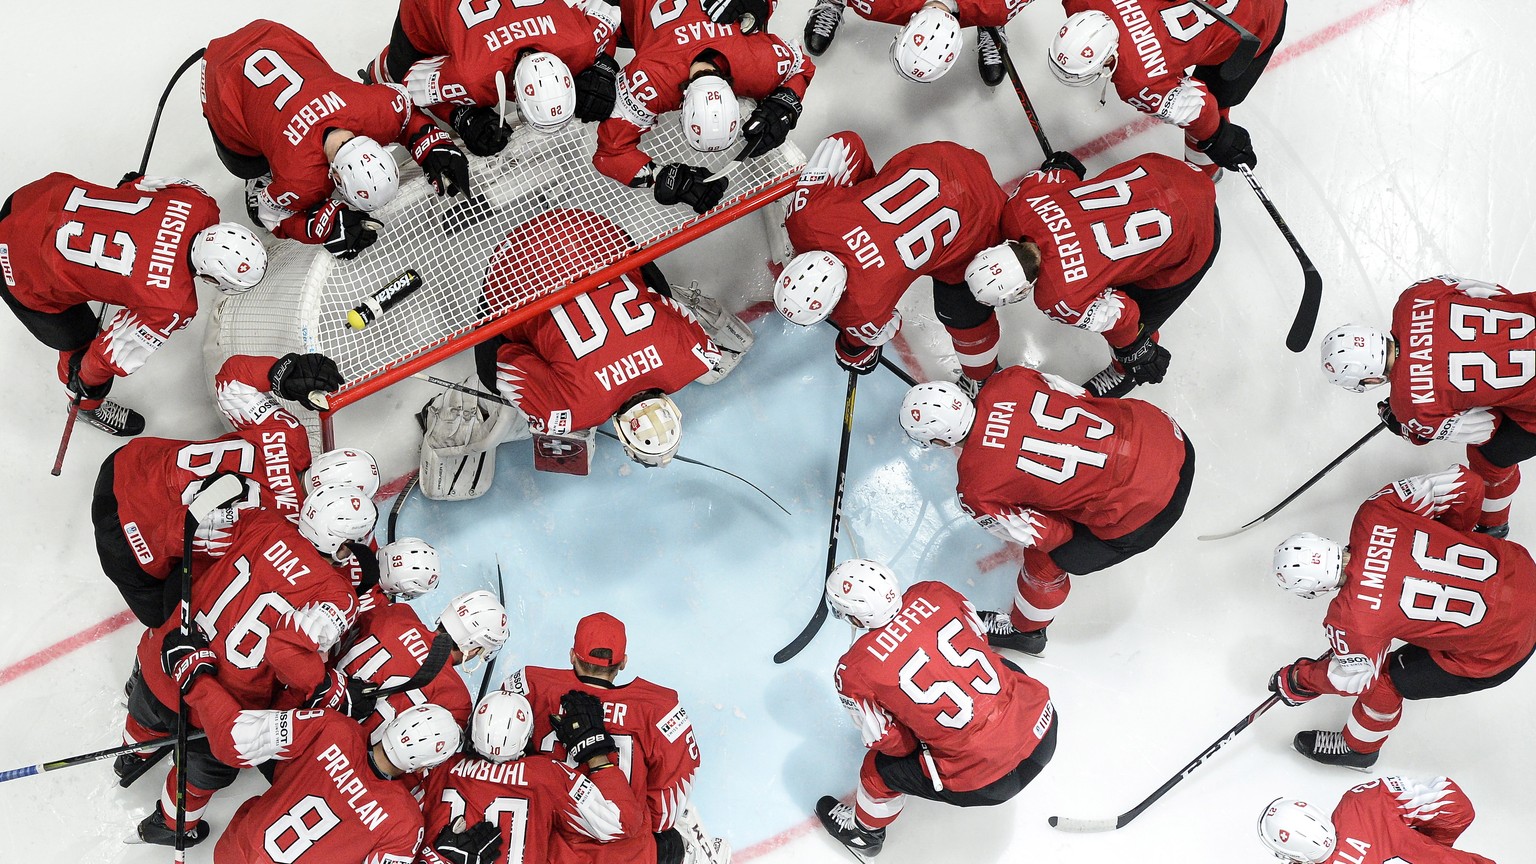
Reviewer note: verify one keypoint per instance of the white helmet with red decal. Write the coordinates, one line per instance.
(1297, 832)
(546, 94)
(336, 514)
(937, 412)
(926, 47)
(711, 116)
(809, 287)
(864, 593)
(501, 726)
(420, 737)
(1085, 49)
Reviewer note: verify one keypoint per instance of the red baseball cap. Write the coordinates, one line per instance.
(600, 630)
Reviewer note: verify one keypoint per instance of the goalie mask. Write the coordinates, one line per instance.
(937, 413)
(1308, 565)
(229, 256)
(1355, 357)
(1085, 49)
(809, 287)
(927, 46)
(408, 567)
(333, 515)
(477, 623)
(996, 277)
(711, 116)
(365, 174)
(501, 726)
(863, 593)
(650, 426)
(346, 466)
(546, 96)
(420, 737)
(1297, 832)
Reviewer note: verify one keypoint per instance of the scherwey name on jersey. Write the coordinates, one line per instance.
(339, 768)
(279, 479)
(893, 634)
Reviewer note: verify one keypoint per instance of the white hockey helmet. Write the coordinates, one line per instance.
(365, 174)
(1296, 831)
(996, 277)
(408, 567)
(863, 593)
(230, 256)
(420, 737)
(937, 412)
(476, 621)
(546, 94)
(711, 116)
(650, 426)
(926, 47)
(501, 726)
(1084, 49)
(1355, 357)
(333, 515)
(345, 466)
(1308, 565)
(809, 287)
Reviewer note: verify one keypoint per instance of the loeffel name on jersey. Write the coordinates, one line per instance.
(279, 472)
(166, 254)
(893, 634)
(1421, 341)
(1148, 48)
(629, 367)
(995, 432)
(519, 31)
(339, 768)
(697, 30)
(1373, 573)
(285, 561)
(1074, 267)
(500, 773)
(309, 114)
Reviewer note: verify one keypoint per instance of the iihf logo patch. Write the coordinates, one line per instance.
(5, 265)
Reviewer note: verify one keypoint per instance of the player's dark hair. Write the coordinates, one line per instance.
(1028, 254)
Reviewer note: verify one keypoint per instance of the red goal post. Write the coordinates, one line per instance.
(302, 303)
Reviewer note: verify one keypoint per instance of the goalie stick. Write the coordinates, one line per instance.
(1312, 282)
(1304, 487)
(1247, 44)
(85, 758)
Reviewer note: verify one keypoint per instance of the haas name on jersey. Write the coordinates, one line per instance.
(697, 30)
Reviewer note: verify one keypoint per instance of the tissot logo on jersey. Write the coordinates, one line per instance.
(1073, 266)
(519, 31)
(339, 768)
(674, 724)
(1421, 340)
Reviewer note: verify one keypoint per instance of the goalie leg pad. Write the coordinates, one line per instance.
(565, 454)
(699, 847)
(458, 447)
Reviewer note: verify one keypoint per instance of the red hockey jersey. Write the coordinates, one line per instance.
(1462, 344)
(972, 13)
(68, 242)
(1149, 222)
(389, 645)
(926, 213)
(669, 35)
(1398, 819)
(1042, 456)
(929, 677)
(1159, 42)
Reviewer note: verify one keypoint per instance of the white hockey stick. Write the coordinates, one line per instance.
(501, 96)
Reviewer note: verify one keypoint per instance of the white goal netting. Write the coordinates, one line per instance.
(303, 301)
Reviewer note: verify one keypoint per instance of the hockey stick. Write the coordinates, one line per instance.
(160, 108)
(820, 615)
(1018, 87)
(898, 371)
(436, 659)
(84, 758)
(490, 665)
(494, 397)
(1247, 44)
(1375, 430)
(1312, 285)
(394, 511)
(73, 413)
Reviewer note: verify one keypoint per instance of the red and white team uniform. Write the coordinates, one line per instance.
(1159, 43)
(970, 13)
(1418, 573)
(1465, 346)
(927, 212)
(668, 36)
(979, 718)
(268, 92)
(388, 646)
(534, 800)
(326, 802)
(470, 45)
(1044, 458)
(1395, 820)
(68, 242)
(1148, 223)
(657, 750)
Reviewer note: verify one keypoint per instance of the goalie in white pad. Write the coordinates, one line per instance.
(458, 446)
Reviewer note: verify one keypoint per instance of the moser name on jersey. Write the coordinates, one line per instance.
(1074, 266)
(500, 773)
(1421, 340)
(1148, 48)
(166, 253)
(697, 30)
(995, 432)
(312, 112)
(893, 634)
(1378, 556)
(339, 768)
(511, 34)
(628, 368)
(286, 562)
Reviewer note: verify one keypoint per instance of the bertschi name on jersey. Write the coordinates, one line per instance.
(896, 632)
(339, 768)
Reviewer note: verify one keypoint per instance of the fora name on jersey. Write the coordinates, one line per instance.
(995, 432)
(893, 634)
(519, 31)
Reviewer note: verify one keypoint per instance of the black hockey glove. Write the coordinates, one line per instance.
(677, 183)
(478, 845)
(1384, 411)
(444, 164)
(295, 376)
(1229, 147)
(1284, 684)
(344, 231)
(367, 567)
(351, 696)
(1144, 360)
(185, 657)
(770, 122)
(78, 388)
(1062, 160)
(751, 15)
(579, 726)
(596, 89)
(856, 356)
(480, 128)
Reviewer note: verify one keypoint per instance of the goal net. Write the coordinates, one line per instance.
(302, 303)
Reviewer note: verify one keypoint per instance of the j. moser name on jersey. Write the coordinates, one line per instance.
(893, 634)
(339, 768)
(312, 112)
(166, 254)
(629, 367)
(1074, 266)
(1148, 48)
(1378, 556)
(512, 35)
(1421, 342)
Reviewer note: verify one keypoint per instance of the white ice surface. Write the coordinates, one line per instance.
(1394, 150)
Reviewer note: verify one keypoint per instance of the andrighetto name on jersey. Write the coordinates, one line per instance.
(339, 768)
(167, 250)
(1073, 264)
(896, 632)
(1142, 36)
(502, 773)
(1421, 340)
(1378, 554)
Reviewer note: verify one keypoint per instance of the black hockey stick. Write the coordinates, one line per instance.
(820, 615)
(71, 761)
(436, 659)
(490, 665)
(898, 371)
(1018, 87)
(1247, 44)
(1375, 430)
(1312, 285)
(73, 412)
(160, 108)
(681, 458)
(394, 511)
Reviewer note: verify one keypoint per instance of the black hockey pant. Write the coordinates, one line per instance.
(149, 599)
(1087, 553)
(1229, 93)
(203, 770)
(239, 164)
(1416, 675)
(905, 774)
(1157, 305)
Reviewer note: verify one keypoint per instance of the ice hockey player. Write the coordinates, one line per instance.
(1463, 602)
(929, 40)
(335, 797)
(684, 60)
(659, 754)
(1459, 359)
(1390, 819)
(556, 57)
(142, 246)
(139, 505)
(980, 732)
(1064, 247)
(1147, 48)
(866, 236)
(590, 802)
(297, 130)
(1081, 483)
(271, 606)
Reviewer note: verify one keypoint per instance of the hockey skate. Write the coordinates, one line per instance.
(1330, 748)
(972, 387)
(1499, 531)
(1111, 383)
(153, 830)
(1001, 634)
(989, 55)
(114, 419)
(822, 26)
(838, 818)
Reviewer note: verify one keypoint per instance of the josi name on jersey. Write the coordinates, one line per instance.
(339, 768)
(893, 634)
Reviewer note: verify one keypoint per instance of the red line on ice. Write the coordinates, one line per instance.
(65, 646)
